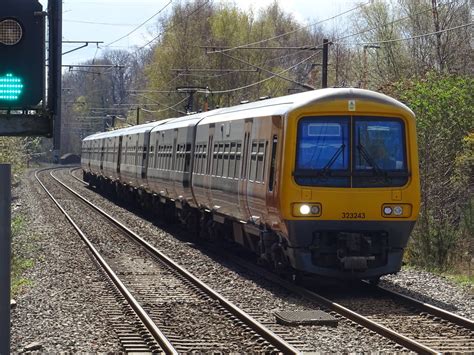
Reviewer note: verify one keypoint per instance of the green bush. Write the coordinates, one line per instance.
(443, 105)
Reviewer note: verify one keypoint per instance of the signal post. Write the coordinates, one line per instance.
(25, 110)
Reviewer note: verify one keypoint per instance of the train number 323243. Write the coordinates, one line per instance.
(353, 215)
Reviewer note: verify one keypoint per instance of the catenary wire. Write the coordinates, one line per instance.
(417, 36)
(142, 24)
(296, 30)
(170, 27)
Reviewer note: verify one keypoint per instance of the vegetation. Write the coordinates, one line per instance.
(443, 104)
(418, 51)
(20, 260)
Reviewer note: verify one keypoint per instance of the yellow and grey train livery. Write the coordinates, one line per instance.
(324, 182)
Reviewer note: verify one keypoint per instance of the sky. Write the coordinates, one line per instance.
(109, 20)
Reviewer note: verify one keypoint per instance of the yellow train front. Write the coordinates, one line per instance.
(349, 194)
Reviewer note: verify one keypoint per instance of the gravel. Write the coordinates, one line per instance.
(436, 290)
(256, 296)
(45, 308)
(60, 309)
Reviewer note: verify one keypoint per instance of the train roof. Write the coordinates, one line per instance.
(278, 106)
(284, 104)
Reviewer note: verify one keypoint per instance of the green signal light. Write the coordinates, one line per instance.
(11, 87)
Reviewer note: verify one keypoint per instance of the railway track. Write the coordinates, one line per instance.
(413, 324)
(432, 327)
(170, 310)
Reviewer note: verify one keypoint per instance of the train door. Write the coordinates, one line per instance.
(209, 163)
(102, 153)
(145, 156)
(119, 154)
(243, 183)
(274, 163)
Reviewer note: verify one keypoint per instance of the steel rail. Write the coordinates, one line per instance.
(436, 311)
(260, 329)
(144, 317)
(345, 312)
(75, 177)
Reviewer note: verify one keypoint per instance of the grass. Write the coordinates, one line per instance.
(20, 260)
(463, 280)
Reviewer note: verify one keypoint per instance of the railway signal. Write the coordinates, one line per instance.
(22, 60)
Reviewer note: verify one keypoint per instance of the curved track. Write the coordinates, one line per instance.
(176, 285)
(416, 325)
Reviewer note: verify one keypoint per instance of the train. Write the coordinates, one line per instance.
(323, 183)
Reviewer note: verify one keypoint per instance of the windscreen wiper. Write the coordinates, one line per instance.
(326, 170)
(370, 160)
(327, 167)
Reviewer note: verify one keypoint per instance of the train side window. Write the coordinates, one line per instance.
(253, 162)
(158, 157)
(151, 157)
(238, 156)
(178, 158)
(187, 157)
(144, 154)
(202, 167)
(196, 158)
(204, 159)
(232, 152)
(225, 172)
(201, 159)
(135, 155)
(165, 157)
(162, 157)
(170, 157)
(221, 159)
(125, 154)
(262, 150)
(215, 161)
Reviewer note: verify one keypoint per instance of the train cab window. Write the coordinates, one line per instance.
(322, 151)
(379, 152)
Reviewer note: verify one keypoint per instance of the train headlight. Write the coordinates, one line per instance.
(396, 211)
(305, 209)
(387, 210)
